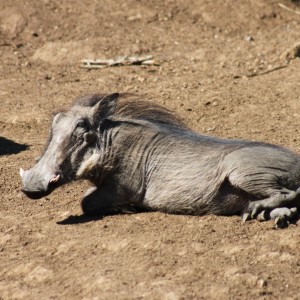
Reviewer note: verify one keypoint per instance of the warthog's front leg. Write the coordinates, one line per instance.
(98, 201)
(106, 200)
(281, 199)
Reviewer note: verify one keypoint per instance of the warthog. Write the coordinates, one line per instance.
(137, 154)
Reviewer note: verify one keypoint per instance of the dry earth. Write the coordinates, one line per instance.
(229, 68)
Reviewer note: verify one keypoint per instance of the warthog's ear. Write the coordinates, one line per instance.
(105, 108)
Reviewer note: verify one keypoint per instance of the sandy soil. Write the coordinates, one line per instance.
(229, 68)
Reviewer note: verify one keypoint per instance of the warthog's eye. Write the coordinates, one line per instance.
(82, 126)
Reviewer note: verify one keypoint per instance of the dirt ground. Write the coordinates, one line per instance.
(229, 68)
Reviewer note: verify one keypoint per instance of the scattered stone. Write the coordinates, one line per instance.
(291, 53)
(261, 283)
(249, 38)
(134, 18)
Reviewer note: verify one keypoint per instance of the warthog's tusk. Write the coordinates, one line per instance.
(55, 178)
(21, 172)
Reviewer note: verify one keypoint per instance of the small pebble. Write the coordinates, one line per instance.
(249, 38)
(48, 77)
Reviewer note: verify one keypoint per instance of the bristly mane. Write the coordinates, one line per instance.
(131, 106)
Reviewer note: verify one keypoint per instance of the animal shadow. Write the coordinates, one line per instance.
(10, 147)
(80, 219)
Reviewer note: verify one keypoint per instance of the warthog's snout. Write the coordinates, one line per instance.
(36, 185)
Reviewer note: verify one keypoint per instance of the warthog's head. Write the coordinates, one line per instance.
(74, 136)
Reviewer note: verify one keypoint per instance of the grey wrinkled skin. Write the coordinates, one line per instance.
(140, 155)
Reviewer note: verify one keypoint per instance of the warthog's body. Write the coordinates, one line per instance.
(138, 154)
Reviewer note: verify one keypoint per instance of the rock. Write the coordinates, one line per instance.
(12, 22)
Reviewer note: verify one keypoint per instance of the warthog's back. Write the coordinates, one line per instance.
(199, 174)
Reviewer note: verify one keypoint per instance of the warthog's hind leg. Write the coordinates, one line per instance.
(282, 216)
(283, 198)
